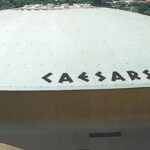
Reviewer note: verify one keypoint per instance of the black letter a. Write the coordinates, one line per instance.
(65, 77)
(117, 76)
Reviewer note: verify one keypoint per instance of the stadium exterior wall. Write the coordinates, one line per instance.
(91, 106)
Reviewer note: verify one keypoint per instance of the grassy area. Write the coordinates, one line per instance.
(143, 8)
(139, 7)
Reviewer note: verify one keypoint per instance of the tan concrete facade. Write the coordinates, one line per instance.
(91, 106)
(8, 147)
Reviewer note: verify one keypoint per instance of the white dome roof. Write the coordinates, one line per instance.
(74, 49)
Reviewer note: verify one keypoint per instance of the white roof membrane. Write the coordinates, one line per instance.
(74, 49)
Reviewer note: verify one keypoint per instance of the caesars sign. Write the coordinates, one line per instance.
(115, 76)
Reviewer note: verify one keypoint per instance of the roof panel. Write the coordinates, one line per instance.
(74, 49)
